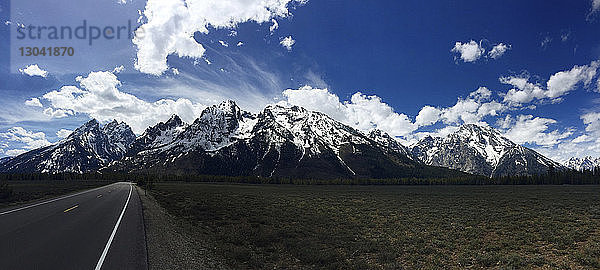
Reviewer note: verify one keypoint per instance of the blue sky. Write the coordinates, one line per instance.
(410, 68)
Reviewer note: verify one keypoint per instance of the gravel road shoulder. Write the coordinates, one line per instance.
(171, 242)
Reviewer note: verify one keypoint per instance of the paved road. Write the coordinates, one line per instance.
(96, 229)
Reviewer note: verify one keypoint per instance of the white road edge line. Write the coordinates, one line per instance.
(53, 200)
(112, 235)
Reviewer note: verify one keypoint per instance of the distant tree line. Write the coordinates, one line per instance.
(570, 177)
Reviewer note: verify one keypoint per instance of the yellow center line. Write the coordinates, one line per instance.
(71, 208)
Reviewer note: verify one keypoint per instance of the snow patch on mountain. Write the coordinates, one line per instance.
(278, 141)
(587, 163)
(87, 149)
(481, 150)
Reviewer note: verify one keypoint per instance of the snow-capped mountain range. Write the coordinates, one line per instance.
(86, 149)
(587, 163)
(280, 142)
(2, 160)
(481, 150)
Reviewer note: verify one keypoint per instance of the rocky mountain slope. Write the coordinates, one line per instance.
(277, 142)
(587, 163)
(483, 151)
(158, 135)
(87, 149)
(4, 159)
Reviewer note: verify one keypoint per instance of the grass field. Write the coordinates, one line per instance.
(17, 192)
(382, 227)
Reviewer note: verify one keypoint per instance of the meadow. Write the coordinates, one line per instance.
(391, 227)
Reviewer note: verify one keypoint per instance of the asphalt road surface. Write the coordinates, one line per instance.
(100, 228)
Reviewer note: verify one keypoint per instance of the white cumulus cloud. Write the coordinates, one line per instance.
(118, 69)
(63, 133)
(57, 113)
(287, 42)
(171, 25)
(586, 144)
(557, 86)
(481, 94)
(565, 81)
(34, 70)
(595, 4)
(33, 102)
(26, 140)
(428, 115)
(469, 52)
(361, 111)
(274, 26)
(100, 98)
(582, 138)
(498, 50)
(534, 130)
(592, 123)
(470, 110)
(15, 152)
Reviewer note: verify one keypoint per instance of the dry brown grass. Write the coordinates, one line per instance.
(384, 227)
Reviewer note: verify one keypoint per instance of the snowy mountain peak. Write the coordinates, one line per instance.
(295, 117)
(587, 163)
(4, 159)
(279, 141)
(312, 132)
(175, 120)
(218, 126)
(92, 122)
(388, 142)
(114, 122)
(483, 135)
(89, 126)
(228, 106)
(227, 113)
(486, 140)
(119, 135)
(481, 150)
(115, 128)
(158, 135)
(88, 148)
(477, 128)
(378, 133)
